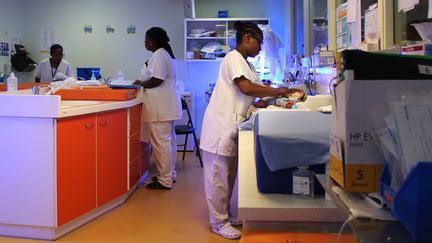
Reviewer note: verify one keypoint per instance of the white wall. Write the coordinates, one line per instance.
(11, 24)
(110, 52)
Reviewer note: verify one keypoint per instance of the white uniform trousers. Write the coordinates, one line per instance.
(220, 173)
(163, 140)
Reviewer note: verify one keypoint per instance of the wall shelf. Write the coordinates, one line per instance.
(219, 30)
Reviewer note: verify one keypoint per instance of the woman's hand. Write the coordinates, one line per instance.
(137, 82)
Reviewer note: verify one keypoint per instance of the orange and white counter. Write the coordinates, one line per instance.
(64, 163)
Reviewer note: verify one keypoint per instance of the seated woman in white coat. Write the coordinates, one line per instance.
(161, 107)
(236, 87)
(54, 68)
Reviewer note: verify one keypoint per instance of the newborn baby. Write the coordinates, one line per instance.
(284, 102)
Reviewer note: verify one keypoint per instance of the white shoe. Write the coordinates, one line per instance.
(227, 231)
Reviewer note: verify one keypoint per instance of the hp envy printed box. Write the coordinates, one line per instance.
(359, 102)
(355, 159)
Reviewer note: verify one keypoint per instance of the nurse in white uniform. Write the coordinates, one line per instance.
(54, 68)
(161, 107)
(236, 87)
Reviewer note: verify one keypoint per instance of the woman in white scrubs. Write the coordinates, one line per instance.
(161, 107)
(54, 68)
(236, 87)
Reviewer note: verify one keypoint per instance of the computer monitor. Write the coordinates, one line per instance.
(86, 73)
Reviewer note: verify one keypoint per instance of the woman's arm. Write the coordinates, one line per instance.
(255, 90)
(149, 84)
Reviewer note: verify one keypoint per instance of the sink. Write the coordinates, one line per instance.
(70, 103)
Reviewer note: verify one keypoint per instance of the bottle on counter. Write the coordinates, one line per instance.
(303, 182)
(12, 82)
(120, 75)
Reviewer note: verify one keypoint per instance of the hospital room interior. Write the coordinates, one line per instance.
(205, 121)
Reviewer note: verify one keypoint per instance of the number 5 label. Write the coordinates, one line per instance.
(423, 69)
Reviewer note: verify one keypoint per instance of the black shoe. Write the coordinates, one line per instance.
(154, 178)
(155, 185)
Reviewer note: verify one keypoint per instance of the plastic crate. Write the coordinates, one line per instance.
(412, 204)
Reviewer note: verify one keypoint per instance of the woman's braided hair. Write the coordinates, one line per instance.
(243, 28)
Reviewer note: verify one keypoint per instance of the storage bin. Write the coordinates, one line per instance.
(286, 140)
(279, 181)
(411, 205)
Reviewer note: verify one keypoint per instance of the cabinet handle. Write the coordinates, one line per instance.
(88, 125)
(103, 123)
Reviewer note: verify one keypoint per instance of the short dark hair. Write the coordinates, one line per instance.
(55, 47)
(243, 28)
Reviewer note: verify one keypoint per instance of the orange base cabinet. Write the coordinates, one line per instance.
(111, 155)
(76, 167)
(91, 162)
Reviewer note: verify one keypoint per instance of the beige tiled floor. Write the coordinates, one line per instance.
(178, 215)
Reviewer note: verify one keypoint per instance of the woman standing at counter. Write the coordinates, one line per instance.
(236, 87)
(54, 68)
(161, 106)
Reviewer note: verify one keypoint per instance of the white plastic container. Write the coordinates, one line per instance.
(303, 182)
(120, 75)
(12, 82)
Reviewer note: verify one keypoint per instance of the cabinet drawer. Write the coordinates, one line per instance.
(134, 172)
(135, 119)
(135, 147)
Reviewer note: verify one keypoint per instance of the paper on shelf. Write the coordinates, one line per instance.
(371, 23)
(415, 131)
(407, 5)
(430, 9)
(211, 47)
(424, 30)
(356, 27)
(352, 10)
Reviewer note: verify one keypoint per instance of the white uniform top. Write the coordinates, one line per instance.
(161, 103)
(46, 73)
(227, 106)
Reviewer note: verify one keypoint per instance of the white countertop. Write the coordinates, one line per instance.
(256, 206)
(23, 104)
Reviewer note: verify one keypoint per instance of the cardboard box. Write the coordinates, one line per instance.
(358, 105)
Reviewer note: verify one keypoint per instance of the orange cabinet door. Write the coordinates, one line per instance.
(76, 167)
(112, 164)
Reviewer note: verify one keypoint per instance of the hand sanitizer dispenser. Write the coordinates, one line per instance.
(12, 82)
